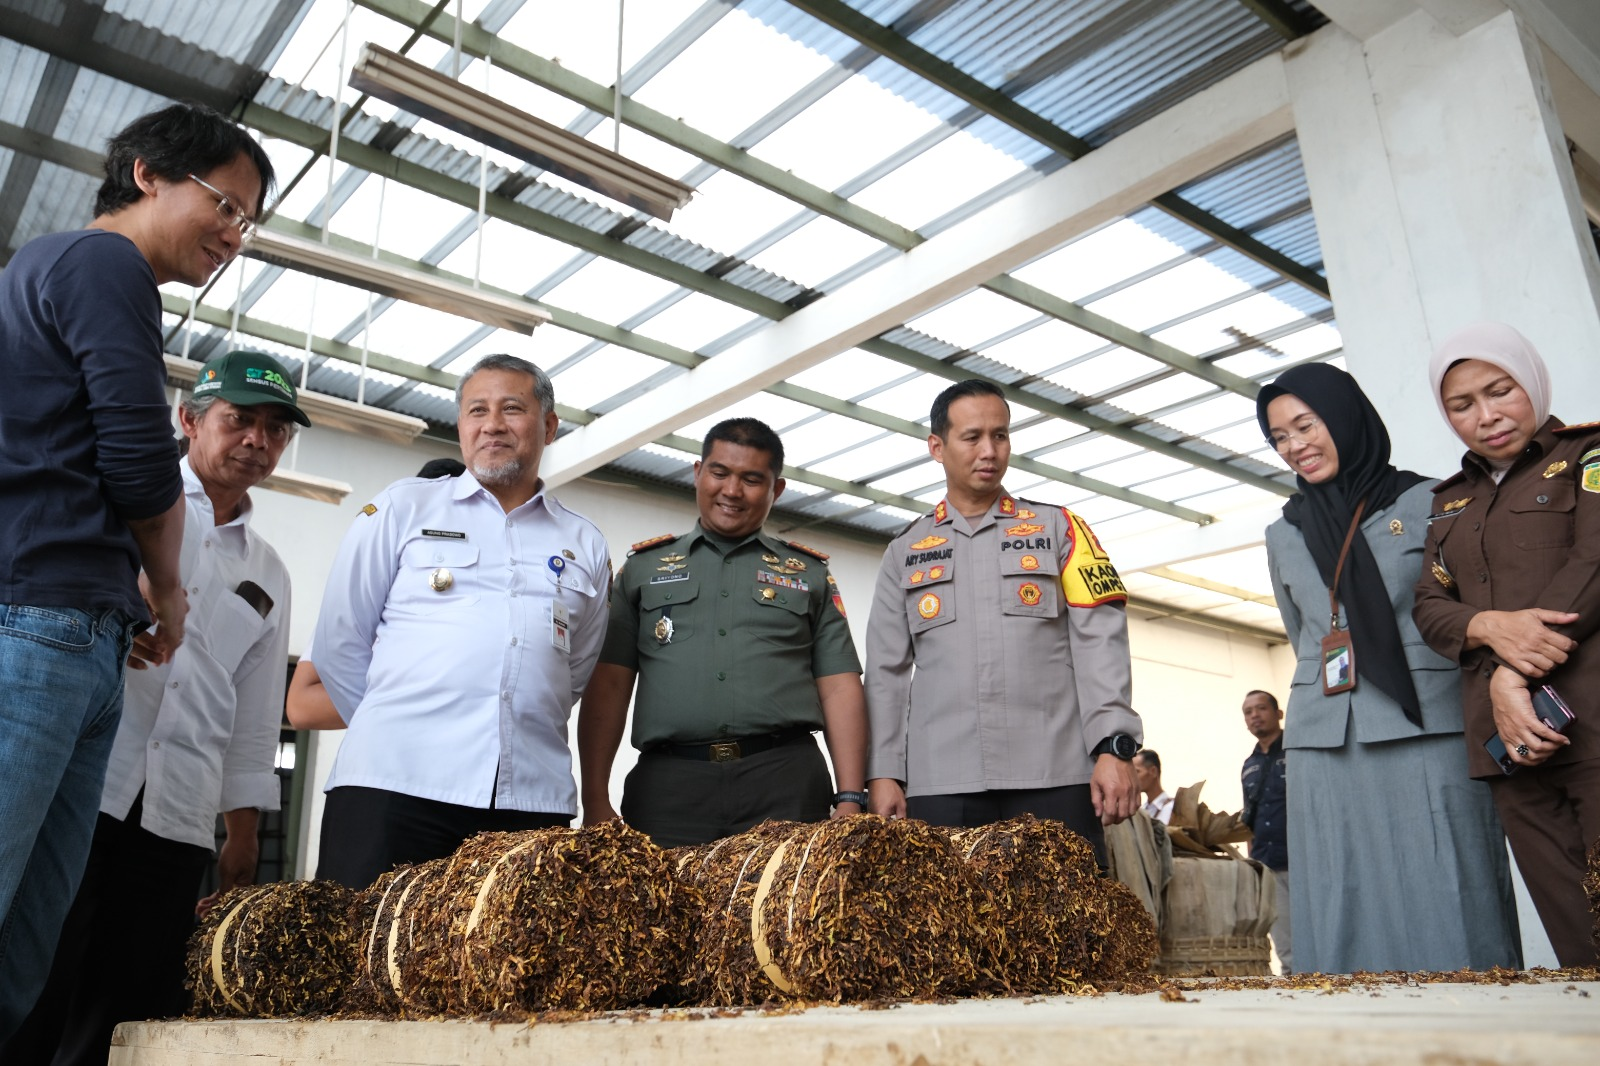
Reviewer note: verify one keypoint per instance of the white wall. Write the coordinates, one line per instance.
(1188, 680)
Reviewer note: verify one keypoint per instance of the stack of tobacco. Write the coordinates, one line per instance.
(721, 966)
(552, 919)
(1066, 926)
(855, 909)
(1591, 885)
(274, 951)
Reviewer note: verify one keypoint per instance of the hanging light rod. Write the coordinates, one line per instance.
(374, 275)
(310, 486)
(413, 87)
(334, 412)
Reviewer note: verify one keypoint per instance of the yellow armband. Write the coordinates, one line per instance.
(1087, 577)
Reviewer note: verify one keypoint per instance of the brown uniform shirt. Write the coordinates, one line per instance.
(1531, 541)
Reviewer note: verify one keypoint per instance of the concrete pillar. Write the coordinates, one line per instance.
(1444, 194)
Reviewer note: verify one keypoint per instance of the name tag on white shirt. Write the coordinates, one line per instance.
(560, 633)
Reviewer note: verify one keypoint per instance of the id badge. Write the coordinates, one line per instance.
(560, 634)
(1338, 663)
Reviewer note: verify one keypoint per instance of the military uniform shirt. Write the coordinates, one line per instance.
(997, 654)
(437, 644)
(726, 640)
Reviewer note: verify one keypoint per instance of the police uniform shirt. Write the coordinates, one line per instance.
(997, 653)
(441, 643)
(199, 733)
(727, 639)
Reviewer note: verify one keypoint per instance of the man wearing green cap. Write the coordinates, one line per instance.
(197, 737)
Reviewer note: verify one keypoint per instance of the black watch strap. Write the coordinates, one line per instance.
(850, 797)
(1121, 745)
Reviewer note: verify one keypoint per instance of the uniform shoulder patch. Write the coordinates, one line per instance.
(653, 541)
(797, 546)
(1580, 428)
(370, 509)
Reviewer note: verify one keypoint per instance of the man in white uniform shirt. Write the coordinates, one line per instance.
(460, 623)
(198, 736)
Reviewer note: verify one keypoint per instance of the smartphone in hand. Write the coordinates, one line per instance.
(1552, 711)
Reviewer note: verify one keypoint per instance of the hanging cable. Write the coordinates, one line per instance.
(335, 125)
(188, 325)
(366, 330)
(483, 187)
(616, 103)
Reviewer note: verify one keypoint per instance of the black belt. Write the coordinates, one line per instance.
(734, 747)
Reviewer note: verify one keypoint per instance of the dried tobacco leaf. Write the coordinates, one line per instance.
(273, 951)
(1125, 945)
(1591, 886)
(864, 908)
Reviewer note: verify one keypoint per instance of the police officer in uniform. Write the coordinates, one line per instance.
(741, 650)
(998, 675)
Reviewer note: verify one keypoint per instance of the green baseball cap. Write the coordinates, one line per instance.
(249, 378)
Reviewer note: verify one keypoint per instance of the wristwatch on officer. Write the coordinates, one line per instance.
(859, 798)
(1121, 745)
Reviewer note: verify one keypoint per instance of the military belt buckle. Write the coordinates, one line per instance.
(726, 751)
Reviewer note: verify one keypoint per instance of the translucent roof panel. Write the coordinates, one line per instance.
(300, 301)
(910, 400)
(1101, 373)
(418, 334)
(939, 180)
(512, 258)
(602, 375)
(583, 37)
(1087, 264)
(728, 213)
(411, 221)
(918, 478)
(775, 411)
(864, 460)
(694, 322)
(825, 436)
(607, 290)
(1186, 287)
(1044, 347)
(973, 319)
(766, 67)
(1223, 327)
(819, 250)
(850, 375)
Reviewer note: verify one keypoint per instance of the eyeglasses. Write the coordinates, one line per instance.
(228, 211)
(1301, 433)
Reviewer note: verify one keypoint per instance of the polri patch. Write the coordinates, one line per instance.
(928, 606)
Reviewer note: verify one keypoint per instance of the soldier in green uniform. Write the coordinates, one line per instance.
(741, 650)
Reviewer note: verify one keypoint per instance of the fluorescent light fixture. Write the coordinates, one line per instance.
(374, 275)
(312, 487)
(323, 410)
(407, 84)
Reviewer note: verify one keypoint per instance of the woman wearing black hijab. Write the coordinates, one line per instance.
(1396, 858)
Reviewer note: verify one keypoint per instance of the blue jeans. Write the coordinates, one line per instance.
(60, 700)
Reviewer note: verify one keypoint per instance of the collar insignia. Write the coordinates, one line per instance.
(941, 512)
(1008, 506)
(1555, 468)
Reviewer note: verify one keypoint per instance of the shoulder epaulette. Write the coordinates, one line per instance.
(1450, 482)
(1580, 428)
(797, 546)
(653, 541)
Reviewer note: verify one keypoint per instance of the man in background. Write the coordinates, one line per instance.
(91, 501)
(198, 736)
(1158, 801)
(1265, 808)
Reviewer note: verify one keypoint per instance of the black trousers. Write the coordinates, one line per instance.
(1069, 804)
(679, 802)
(369, 831)
(121, 953)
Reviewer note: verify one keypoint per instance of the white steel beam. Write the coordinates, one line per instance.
(1243, 112)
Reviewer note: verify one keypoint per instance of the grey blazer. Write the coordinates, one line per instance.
(1396, 536)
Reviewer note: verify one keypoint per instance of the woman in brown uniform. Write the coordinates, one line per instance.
(1511, 589)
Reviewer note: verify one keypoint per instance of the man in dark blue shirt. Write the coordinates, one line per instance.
(90, 493)
(1265, 806)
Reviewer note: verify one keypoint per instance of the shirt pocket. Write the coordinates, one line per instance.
(666, 612)
(231, 632)
(1541, 514)
(781, 615)
(930, 598)
(437, 576)
(1030, 584)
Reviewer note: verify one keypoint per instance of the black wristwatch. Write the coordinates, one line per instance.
(1121, 745)
(850, 797)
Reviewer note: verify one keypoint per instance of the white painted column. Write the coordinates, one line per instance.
(1444, 195)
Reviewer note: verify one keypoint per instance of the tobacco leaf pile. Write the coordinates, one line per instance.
(1066, 927)
(275, 951)
(552, 919)
(860, 908)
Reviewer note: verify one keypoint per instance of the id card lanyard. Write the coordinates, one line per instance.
(1338, 654)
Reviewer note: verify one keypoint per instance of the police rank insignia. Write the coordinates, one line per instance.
(1396, 528)
(1026, 529)
(1442, 576)
(1555, 468)
(928, 606)
(1008, 506)
(941, 511)
(441, 580)
(663, 630)
(1029, 562)
(1026, 514)
(1456, 505)
(794, 564)
(370, 509)
(771, 560)
(928, 542)
(935, 573)
(1030, 594)
(917, 577)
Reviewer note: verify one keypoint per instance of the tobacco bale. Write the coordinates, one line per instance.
(1124, 943)
(273, 951)
(721, 967)
(361, 999)
(1047, 889)
(402, 946)
(867, 908)
(570, 919)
